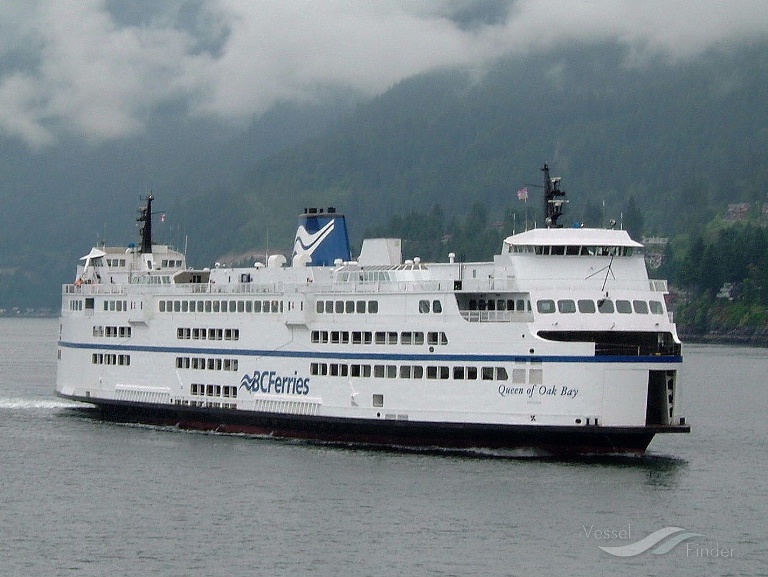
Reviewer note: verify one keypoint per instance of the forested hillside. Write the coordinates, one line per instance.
(682, 140)
(662, 147)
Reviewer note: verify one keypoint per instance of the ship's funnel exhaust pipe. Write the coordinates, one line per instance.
(321, 238)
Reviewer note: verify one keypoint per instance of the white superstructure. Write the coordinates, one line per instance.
(561, 342)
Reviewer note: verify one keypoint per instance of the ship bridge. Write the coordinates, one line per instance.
(573, 242)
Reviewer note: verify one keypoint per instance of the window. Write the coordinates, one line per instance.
(423, 306)
(641, 307)
(586, 306)
(605, 306)
(546, 306)
(437, 306)
(360, 306)
(378, 400)
(566, 306)
(406, 338)
(373, 306)
(656, 307)
(624, 307)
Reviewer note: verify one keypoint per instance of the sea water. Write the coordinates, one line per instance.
(86, 497)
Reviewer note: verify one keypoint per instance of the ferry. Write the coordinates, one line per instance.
(562, 343)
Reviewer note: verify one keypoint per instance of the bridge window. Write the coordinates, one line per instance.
(624, 307)
(641, 307)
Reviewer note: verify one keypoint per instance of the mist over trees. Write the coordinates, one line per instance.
(660, 147)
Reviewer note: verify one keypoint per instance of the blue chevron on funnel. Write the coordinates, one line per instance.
(321, 238)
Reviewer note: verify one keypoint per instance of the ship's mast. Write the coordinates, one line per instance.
(553, 204)
(145, 217)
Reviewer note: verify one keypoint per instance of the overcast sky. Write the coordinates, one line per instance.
(98, 68)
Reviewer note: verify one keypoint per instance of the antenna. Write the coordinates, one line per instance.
(553, 204)
(145, 217)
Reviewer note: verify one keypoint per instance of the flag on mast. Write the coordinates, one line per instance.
(522, 194)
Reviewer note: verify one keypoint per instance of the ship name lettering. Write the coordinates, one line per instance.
(504, 390)
(569, 392)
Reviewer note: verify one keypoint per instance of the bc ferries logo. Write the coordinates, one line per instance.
(659, 542)
(306, 243)
(271, 382)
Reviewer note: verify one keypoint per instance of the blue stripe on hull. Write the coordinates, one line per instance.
(375, 356)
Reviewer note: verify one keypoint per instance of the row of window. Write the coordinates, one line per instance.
(208, 334)
(575, 250)
(434, 372)
(347, 307)
(111, 331)
(207, 404)
(206, 364)
(220, 306)
(166, 263)
(519, 305)
(567, 306)
(76, 305)
(114, 262)
(110, 359)
(151, 280)
(379, 337)
(110, 305)
(424, 306)
(213, 390)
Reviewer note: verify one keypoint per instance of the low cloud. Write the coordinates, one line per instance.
(99, 68)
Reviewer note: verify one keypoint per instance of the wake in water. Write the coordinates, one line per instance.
(21, 403)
